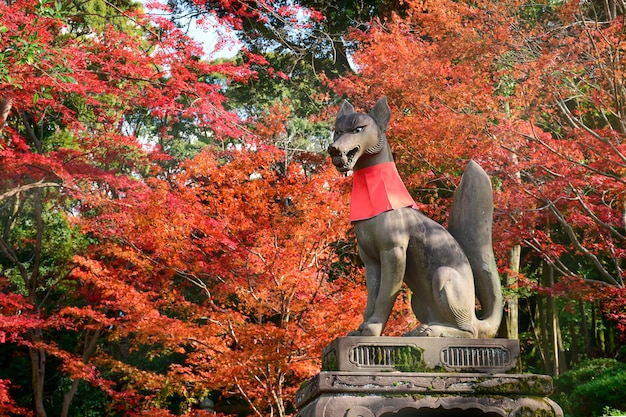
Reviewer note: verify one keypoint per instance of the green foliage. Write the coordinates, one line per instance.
(298, 90)
(592, 388)
(15, 366)
(90, 401)
(608, 411)
(97, 14)
(60, 242)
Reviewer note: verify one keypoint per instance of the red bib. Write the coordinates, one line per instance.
(377, 189)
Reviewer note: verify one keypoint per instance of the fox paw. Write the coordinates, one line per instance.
(368, 329)
(437, 330)
(421, 331)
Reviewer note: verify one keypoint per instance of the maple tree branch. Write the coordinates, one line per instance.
(5, 247)
(35, 273)
(586, 252)
(12, 256)
(574, 239)
(609, 74)
(89, 346)
(573, 161)
(6, 104)
(232, 332)
(246, 397)
(132, 19)
(22, 188)
(535, 245)
(31, 132)
(205, 344)
(578, 123)
(192, 278)
(557, 263)
(595, 218)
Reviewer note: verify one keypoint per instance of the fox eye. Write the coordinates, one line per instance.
(358, 129)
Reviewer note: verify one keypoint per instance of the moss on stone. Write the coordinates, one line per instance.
(330, 362)
(526, 411)
(409, 359)
(534, 384)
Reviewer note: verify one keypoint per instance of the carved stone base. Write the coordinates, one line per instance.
(351, 394)
(376, 377)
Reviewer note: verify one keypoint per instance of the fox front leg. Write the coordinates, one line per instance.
(372, 282)
(392, 268)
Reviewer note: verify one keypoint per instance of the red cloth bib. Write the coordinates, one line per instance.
(377, 189)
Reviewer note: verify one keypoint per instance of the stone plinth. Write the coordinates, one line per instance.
(411, 354)
(376, 377)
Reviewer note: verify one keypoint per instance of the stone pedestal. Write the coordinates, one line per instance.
(388, 377)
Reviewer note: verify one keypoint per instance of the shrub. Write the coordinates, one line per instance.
(592, 388)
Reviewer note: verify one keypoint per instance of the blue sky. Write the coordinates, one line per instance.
(207, 34)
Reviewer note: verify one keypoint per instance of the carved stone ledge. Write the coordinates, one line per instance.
(431, 384)
(329, 405)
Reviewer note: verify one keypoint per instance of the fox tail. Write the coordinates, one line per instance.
(470, 223)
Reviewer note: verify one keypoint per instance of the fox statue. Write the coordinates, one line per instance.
(446, 270)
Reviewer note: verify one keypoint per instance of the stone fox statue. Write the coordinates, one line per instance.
(446, 270)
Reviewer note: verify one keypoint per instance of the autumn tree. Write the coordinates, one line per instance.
(308, 33)
(240, 253)
(81, 87)
(299, 40)
(580, 186)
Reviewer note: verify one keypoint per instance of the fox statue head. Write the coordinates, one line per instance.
(359, 139)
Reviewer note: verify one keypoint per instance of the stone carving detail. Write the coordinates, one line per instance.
(475, 357)
(433, 406)
(338, 394)
(359, 412)
(445, 269)
(418, 354)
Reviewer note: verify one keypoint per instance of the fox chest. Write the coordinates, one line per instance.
(377, 189)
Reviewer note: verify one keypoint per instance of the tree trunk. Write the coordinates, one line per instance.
(548, 276)
(575, 350)
(560, 358)
(585, 328)
(38, 373)
(598, 332)
(91, 340)
(554, 339)
(5, 108)
(543, 319)
(535, 317)
(544, 338)
(511, 316)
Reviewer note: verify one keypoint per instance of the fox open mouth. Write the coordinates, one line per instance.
(344, 161)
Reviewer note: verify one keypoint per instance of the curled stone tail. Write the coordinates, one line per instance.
(470, 223)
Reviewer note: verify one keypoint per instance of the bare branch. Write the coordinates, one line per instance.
(22, 188)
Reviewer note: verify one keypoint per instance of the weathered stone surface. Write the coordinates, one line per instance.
(429, 406)
(397, 385)
(392, 392)
(415, 354)
(446, 271)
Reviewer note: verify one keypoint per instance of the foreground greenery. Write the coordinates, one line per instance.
(594, 388)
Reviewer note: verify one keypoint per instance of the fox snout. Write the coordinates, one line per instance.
(343, 160)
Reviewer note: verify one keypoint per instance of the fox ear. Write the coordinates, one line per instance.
(346, 109)
(381, 113)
